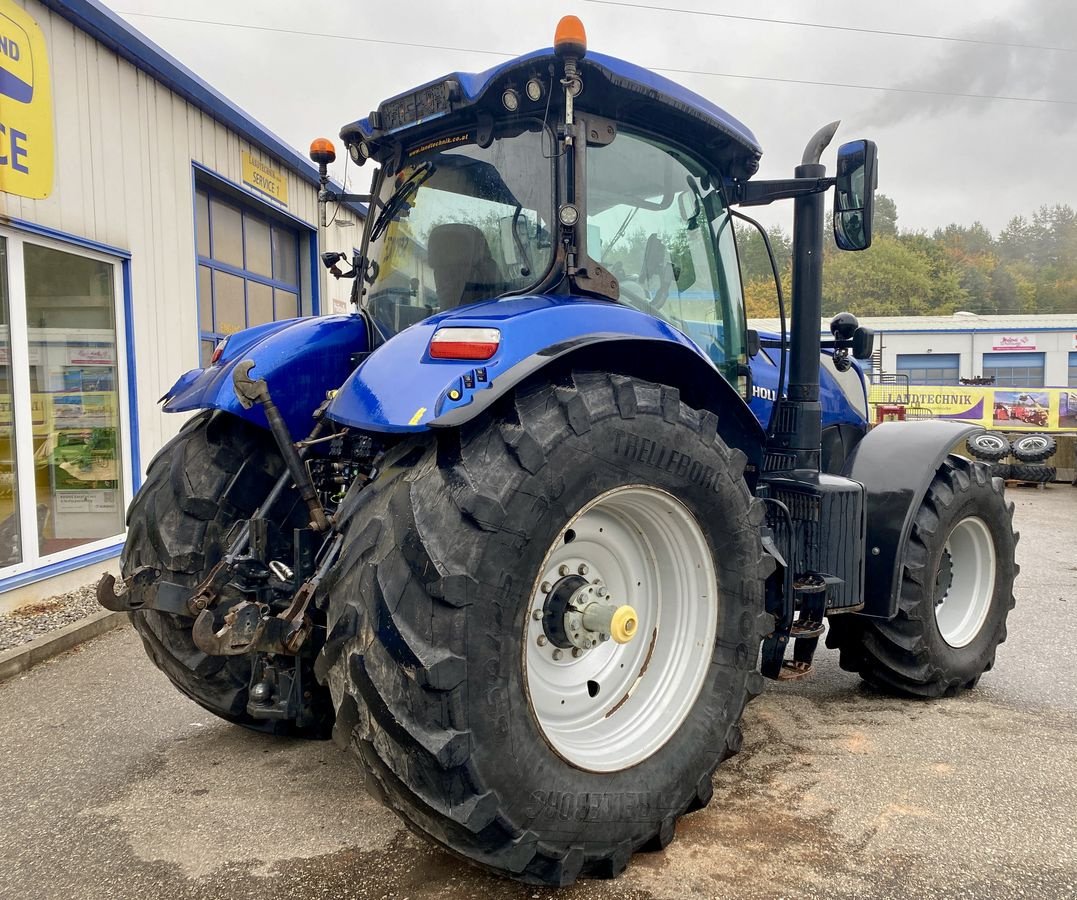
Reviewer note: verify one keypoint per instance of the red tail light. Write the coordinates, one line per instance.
(217, 351)
(465, 343)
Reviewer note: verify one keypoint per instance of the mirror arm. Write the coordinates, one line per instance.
(759, 193)
(333, 197)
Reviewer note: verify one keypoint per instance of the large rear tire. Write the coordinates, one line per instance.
(957, 574)
(214, 473)
(432, 642)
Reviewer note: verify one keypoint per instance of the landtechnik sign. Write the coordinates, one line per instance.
(26, 148)
(1009, 409)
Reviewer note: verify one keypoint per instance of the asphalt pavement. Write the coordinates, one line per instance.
(116, 786)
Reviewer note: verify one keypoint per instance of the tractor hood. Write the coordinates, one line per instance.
(300, 359)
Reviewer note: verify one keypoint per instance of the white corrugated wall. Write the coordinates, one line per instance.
(124, 149)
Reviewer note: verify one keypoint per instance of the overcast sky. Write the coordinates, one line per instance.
(942, 158)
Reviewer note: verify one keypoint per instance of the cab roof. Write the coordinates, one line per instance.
(613, 88)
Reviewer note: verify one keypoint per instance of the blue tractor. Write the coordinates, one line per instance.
(529, 528)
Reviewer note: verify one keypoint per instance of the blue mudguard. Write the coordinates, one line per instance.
(401, 388)
(300, 360)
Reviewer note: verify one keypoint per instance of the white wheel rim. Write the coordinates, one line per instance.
(648, 551)
(962, 609)
(990, 442)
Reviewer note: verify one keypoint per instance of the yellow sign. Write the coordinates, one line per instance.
(1007, 409)
(26, 148)
(264, 178)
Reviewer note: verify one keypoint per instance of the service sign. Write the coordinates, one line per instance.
(1007, 409)
(264, 178)
(26, 147)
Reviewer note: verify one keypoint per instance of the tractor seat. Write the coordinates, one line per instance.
(464, 269)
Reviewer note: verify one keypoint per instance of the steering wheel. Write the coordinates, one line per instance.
(633, 291)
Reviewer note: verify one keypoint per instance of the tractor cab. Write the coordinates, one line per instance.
(510, 183)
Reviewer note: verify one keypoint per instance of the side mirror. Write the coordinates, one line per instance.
(854, 196)
(863, 343)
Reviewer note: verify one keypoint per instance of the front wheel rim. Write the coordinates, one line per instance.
(611, 707)
(961, 605)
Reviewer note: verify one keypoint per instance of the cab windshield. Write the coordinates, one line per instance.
(459, 223)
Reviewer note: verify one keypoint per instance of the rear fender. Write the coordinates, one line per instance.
(896, 462)
(300, 359)
(400, 388)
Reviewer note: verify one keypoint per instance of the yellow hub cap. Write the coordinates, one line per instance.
(624, 624)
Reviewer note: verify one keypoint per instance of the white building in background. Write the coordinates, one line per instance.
(143, 216)
(1018, 351)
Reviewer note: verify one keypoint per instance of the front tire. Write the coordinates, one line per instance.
(957, 579)
(431, 615)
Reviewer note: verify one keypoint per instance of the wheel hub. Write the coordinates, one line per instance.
(580, 614)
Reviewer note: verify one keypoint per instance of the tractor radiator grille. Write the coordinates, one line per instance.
(827, 535)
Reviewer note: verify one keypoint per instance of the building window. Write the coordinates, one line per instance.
(248, 268)
(64, 479)
(1072, 380)
(929, 368)
(1019, 370)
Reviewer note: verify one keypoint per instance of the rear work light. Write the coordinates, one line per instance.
(464, 343)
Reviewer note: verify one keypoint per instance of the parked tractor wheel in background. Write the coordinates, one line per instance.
(1032, 474)
(989, 446)
(544, 628)
(956, 592)
(1033, 448)
(208, 478)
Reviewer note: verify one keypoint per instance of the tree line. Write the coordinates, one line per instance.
(1029, 267)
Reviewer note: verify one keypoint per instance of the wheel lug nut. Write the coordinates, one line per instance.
(541, 640)
(557, 654)
(576, 652)
(602, 592)
(537, 615)
(583, 570)
(562, 570)
(546, 587)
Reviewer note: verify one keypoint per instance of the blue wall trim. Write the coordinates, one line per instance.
(74, 239)
(132, 378)
(127, 42)
(59, 568)
(1052, 329)
(315, 275)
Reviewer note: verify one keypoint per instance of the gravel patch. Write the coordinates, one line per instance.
(42, 616)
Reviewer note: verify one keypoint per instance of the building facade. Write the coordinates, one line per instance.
(1016, 351)
(143, 217)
